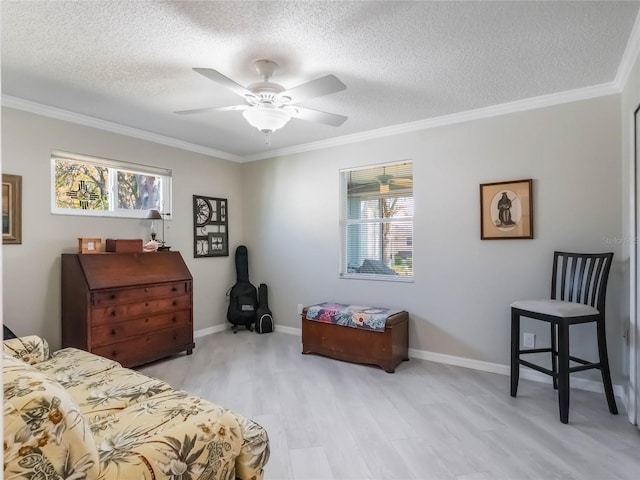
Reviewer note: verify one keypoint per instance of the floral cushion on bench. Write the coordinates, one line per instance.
(356, 316)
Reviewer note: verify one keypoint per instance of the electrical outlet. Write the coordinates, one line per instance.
(528, 340)
(299, 308)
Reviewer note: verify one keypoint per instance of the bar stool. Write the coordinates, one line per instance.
(578, 291)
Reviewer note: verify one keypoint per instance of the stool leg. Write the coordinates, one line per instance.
(604, 367)
(563, 371)
(515, 351)
(554, 355)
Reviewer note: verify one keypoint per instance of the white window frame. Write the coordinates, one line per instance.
(345, 222)
(113, 166)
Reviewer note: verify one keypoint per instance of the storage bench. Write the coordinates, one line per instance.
(386, 349)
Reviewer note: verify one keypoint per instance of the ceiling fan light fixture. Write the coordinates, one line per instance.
(266, 118)
(384, 188)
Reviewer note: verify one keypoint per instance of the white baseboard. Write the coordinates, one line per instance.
(221, 328)
(459, 361)
(525, 373)
(209, 330)
(289, 330)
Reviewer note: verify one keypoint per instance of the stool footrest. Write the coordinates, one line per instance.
(580, 360)
(535, 350)
(536, 367)
(587, 366)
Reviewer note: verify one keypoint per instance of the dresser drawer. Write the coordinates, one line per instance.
(119, 331)
(127, 295)
(116, 313)
(144, 348)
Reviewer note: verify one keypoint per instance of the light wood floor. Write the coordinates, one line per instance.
(333, 420)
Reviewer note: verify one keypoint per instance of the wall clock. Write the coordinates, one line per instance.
(210, 227)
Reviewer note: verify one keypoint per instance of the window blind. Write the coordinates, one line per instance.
(377, 223)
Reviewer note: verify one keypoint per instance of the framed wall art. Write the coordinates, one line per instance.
(506, 210)
(11, 209)
(210, 227)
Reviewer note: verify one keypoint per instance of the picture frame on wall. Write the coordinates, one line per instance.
(11, 209)
(210, 227)
(506, 210)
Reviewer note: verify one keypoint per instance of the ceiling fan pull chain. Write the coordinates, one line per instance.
(267, 138)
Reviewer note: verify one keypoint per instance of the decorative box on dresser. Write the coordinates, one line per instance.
(131, 307)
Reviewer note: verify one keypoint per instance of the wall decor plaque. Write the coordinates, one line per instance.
(210, 227)
(506, 210)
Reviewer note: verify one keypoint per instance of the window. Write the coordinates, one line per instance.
(84, 185)
(377, 222)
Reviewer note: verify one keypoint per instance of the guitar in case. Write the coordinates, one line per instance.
(264, 318)
(243, 296)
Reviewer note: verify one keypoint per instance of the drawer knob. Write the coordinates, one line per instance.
(114, 353)
(113, 332)
(146, 320)
(113, 295)
(174, 289)
(175, 319)
(113, 313)
(175, 303)
(146, 304)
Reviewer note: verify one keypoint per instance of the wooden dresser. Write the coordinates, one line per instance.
(131, 307)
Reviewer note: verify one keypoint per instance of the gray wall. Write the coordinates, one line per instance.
(31, 271)
(286, 210)
(459, 302)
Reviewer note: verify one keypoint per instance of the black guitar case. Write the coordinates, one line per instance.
(243, 296)
(264, 319)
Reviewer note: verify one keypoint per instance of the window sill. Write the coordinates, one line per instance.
(377, 278)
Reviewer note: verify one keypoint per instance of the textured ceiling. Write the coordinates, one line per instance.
(129, 62)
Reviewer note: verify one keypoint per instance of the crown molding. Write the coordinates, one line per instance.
(87, 121)
(478, 114)
(629, 56)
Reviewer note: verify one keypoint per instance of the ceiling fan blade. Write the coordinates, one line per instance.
(224, 81)
(233, 108)
(213, 109)
(312, 115)
(315, 88)
(360, 186)
(405, 182)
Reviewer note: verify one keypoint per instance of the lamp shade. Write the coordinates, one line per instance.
(266, 118)
(154, 215)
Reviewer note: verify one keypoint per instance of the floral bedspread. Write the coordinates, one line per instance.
(74, 415)
(356, 316)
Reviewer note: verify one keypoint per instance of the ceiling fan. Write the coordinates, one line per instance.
(383, 183)
(268, 105)
(386, 181)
